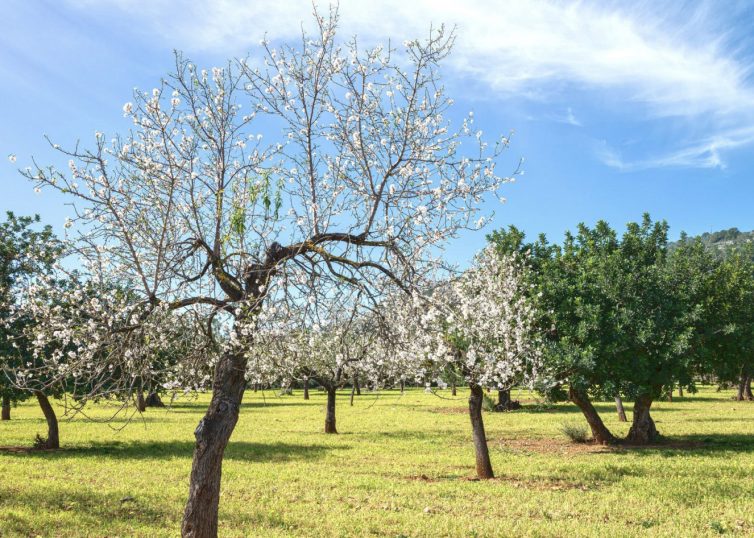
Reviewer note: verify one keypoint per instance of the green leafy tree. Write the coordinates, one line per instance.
(618, 317)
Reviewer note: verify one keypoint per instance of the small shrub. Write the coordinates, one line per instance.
(488, 404)
(40, 443)
(577, 433)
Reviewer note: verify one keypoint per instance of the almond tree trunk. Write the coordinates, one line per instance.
(212, 435)
(403, 386)
(643, 430)
(6, 409)
(620, 409)
(353, 392)
(357, 384)
(483, 463)
(504, 398)
(680, 391)
(747, 389)
(330, 417)
(141, 405)
(600, 434)
(53, 437)
(154, 400)
(306, 388)
(453, 390)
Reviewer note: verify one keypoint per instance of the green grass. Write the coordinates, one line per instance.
(400, 467)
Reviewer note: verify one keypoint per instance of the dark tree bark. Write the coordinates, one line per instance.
(306, 388)
(353, 392)
(141, 405)
(505, 402)
(747, 389)
(680, 391)
(403, 386)
(643, 430)
(357, 384)
(453, 390)
(6, 408)
(154, 400)
(620, 409)
(212, 435)
(53, 436)
(330, 417)
(483, 463)
(600, 434)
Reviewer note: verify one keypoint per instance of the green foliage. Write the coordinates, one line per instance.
(618, 316)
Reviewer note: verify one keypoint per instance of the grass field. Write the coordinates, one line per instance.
(401, 466)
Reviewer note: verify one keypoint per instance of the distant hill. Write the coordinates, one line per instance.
(724, 240)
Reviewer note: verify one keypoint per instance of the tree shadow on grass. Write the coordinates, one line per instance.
(239, 451)
(688, 445)
(92, 508)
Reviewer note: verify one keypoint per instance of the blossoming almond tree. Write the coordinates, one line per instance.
(360, 180)
(481, 324)
(330, 340)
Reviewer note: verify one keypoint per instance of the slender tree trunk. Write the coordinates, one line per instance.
(643, 430)
(680, 390)
(741, 387)
(353, 392)
(212, 435)
(6, 408)
(747, 389)
(306, 388)
(53, 437)
(483, 463)
(670, 394)
(403, 386)
(357, 384)
(453, 390)
(141, 405)
(600, 433)
(330, 417)
(154, 400)
(620, 409)
(256, 387)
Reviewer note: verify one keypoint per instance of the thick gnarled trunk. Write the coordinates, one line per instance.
(619, 408)
(483, 463)
(600, 434)
(330, 416)
(643, 430)
(53, 435)
(212, 435)
(5, 415)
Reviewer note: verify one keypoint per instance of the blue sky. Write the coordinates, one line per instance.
(617, 107)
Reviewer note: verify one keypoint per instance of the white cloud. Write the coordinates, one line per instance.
(705, 153)
(672, 60)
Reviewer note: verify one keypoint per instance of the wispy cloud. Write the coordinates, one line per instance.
(673, 60)
(705, 153)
